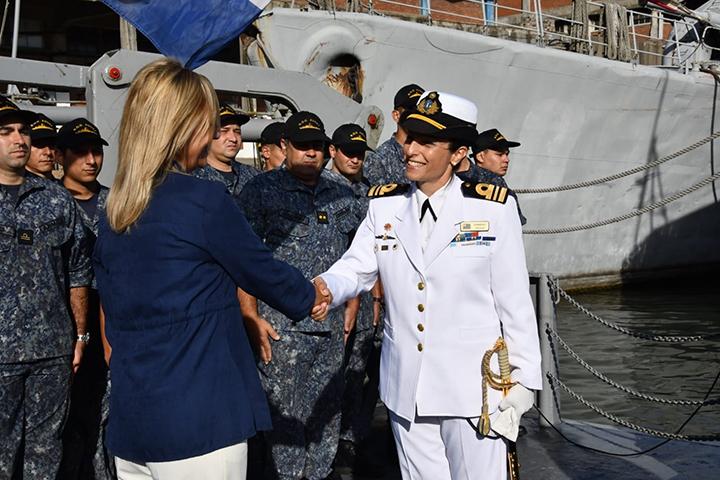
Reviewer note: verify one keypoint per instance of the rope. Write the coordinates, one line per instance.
(580, 27)
(618, 37)
(625, 173)
(626, 216)
(634, 393)
(655, 338)
(627, 424)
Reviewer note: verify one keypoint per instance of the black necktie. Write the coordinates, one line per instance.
(425, 207)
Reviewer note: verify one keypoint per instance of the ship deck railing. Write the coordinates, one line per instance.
(643, 38)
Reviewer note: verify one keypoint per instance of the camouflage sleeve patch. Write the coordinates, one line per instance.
(485, 191)
(388, 190)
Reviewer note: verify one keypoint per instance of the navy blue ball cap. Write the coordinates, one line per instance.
(272, 134)
(494, 140)
(8, 110)
(351, 137)
(79, 132)
(230, 116)
(407, 97)
(43, 129)
(305, 127)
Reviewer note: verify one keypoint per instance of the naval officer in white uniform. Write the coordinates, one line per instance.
(451, 258)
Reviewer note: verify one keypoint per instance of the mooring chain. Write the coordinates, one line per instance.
(626, 216)
(625, 389)
(625, 423)
(643, 336)
(632, 171)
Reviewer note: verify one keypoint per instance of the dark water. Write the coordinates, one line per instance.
(677, 371)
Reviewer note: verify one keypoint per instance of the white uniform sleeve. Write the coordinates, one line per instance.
(356, 271)
(511, 293)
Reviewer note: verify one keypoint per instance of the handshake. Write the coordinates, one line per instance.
(323, 299)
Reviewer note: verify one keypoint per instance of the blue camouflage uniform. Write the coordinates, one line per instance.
(44, 253)
(84, 455)
(309, 228)
(242, 174)
(386, 164)
(359, 397)
(481, 175)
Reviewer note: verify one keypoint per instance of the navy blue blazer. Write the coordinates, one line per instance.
(184, 380)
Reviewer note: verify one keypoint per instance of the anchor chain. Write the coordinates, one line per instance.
(625, 423)
(632, 171)
(623, 388)
(655, 338)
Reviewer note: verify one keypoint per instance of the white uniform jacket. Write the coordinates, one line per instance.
(447, 305)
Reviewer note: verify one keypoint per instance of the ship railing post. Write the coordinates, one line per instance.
(634, 34)
(547, 401)
(677, 43)
(540, 29)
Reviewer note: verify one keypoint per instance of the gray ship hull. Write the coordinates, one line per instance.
(578, 117)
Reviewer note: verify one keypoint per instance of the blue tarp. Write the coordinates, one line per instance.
(189, 30)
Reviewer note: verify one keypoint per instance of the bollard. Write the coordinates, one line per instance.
(547, 401)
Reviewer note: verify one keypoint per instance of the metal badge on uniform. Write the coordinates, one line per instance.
(322, 217)
(25, 237)
(480, 226)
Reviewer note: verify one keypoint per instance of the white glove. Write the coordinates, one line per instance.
(518, 401)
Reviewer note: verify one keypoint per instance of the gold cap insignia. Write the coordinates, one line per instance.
(85, 128)
(309, 123)
(430, 105)
(42, 124)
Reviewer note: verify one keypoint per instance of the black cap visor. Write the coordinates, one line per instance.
(43, 135)
(25, 117)
(438, 127)
(236, 119)
(354, 149)
(308, 135)
(498, 146)
(80, 139)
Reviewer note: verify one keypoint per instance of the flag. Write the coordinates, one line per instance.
(190, 31)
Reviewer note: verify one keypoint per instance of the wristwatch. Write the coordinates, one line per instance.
(84, 338)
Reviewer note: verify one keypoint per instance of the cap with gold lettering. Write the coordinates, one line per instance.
(443, 116)
(43, 129)
(408, 96)
(229, 116)
(350, 137)
(9, 111)
(305, 127)
(79, 132)
(494, 140)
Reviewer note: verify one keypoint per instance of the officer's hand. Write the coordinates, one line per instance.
(323, 299)
(260, 332)
(77, 358)
(518, 401)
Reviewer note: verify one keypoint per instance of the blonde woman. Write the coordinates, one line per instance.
(168, 260)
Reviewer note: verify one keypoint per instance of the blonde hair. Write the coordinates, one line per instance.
(167, 107)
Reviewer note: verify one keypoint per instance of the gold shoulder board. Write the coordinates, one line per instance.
(485, 191)
(388, 190)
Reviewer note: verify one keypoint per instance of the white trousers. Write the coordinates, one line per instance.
(446, 448)
(229, 463)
